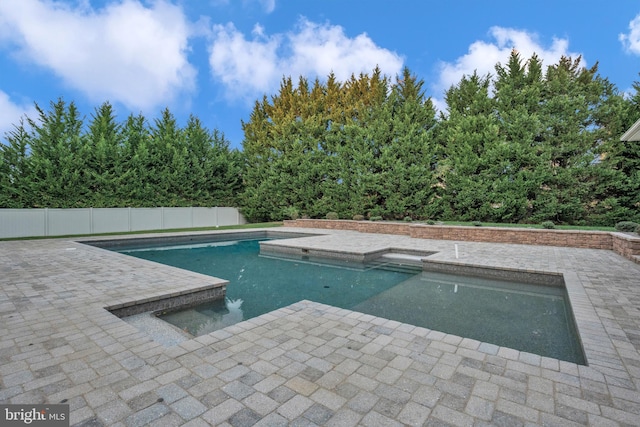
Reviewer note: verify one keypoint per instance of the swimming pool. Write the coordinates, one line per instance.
(526, 317)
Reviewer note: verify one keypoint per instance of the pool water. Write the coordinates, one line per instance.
(526, 317)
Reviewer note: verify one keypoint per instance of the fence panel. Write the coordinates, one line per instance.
(229, 216)
(205, 217)
(146, 219)
(110, 220)
(22, 222)
(176, 218)
(62, 222)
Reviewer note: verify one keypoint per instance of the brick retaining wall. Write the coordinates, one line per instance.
(627, 246)
(623, 244)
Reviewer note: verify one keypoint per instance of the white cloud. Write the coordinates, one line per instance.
(243, 66)
(631, 41)
(320, 49)
(251, 67)
(483, 56)
(11, 113)
(125, 52)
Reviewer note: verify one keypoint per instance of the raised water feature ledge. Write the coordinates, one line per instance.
(623, 244)
(183, 299)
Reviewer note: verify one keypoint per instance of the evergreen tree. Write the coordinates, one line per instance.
(286, 152)
(57, 157)
(196, 185)
(15, 169)
(166, 167)
(408, 156)
(359, 140)
(617, 193)
(215, 172)
(103, 153)
(570, 95)
(467, 134)
(514, 164)
(136, 190)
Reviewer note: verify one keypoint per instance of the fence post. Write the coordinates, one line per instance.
(46, 221)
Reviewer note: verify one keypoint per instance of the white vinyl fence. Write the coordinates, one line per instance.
(60, 222)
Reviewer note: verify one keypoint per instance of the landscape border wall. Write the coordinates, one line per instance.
(623, 244)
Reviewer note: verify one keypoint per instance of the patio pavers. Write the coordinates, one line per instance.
(307, 364)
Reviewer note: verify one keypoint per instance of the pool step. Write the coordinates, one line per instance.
(403, 257)
(400, 260)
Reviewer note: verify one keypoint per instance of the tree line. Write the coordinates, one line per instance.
(528, 145)
(524, 145)
(56, 161)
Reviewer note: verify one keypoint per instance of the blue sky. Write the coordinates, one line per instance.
(215, 58)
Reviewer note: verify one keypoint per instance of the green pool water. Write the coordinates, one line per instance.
(526, 317)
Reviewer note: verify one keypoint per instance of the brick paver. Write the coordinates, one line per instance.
(307, 364)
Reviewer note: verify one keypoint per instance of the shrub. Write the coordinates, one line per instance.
(377, 211)
(431, 222)
(407, 219)
(626, 226)
(476, 223)
(376, 218)
(548, 225)
(291, 212)
(358, 217)
(332, 215)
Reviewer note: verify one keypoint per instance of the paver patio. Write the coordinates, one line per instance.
(307, 364)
